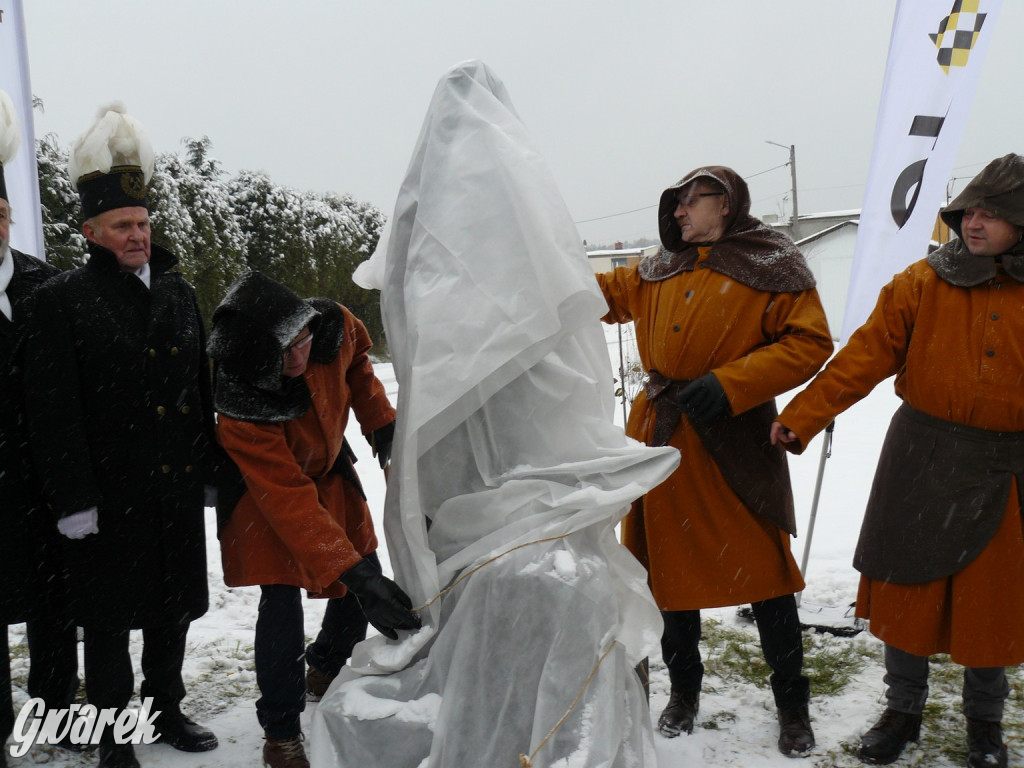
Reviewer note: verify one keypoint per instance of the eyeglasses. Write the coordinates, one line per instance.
(691, 199)
(299, 344)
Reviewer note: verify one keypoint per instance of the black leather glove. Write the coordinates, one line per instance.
(703, 400)
(383, 602)
(380, 442)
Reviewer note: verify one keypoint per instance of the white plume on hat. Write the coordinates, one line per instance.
(115, 138)
(10, 136)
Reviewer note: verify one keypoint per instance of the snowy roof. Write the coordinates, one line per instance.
(828, 231)
(850, 213)
(646, 250)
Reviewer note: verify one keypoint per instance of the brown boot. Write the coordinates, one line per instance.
(985, 747)
(285, 753)
(796, 738)
(679, 714)
(885, 741)
(317, 683)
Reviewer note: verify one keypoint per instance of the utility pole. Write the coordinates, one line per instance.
(792, 173)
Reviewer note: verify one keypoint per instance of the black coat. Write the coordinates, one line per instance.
(29, 545)
(117, 399)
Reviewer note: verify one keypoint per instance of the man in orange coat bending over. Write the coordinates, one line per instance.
(287, 371)
(941, 549)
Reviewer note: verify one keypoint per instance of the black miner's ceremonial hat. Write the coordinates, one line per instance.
(111, 163)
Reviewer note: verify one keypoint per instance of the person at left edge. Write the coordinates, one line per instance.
(31, 579)
(120, 417)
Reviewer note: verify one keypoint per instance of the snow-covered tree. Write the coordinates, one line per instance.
(221, 227)
(61, 210)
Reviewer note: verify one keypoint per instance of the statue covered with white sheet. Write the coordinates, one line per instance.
(508, 475)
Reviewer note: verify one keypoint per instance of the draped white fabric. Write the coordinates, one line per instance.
(508, 476)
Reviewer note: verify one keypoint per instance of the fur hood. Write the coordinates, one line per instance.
(748, 251)
(999, 188)
(253, 324)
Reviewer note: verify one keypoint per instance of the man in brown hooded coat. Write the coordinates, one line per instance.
(726, 319)
(943, 525)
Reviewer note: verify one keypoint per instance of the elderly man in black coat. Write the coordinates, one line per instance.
(121, 432)
(30, 569)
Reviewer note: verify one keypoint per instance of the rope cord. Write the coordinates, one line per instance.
(527, 762)
(524, 761)
(470, 572)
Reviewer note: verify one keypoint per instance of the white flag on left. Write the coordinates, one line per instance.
(20, 174)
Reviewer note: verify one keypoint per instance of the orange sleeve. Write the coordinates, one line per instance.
(800, 343)
(619, 287)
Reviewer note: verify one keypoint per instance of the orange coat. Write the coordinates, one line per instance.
(702, 547)
(957, 354)
(298, 523)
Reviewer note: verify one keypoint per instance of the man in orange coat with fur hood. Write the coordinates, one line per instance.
(287, 373)
(726, 319)
(941, 549)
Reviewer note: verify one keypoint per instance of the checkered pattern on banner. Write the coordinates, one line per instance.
(957, 34)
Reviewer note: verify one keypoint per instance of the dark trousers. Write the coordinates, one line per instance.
(778, 625)
(52, 672)
(280, 670)
(53, 661)
(109, 679)
(985, 689)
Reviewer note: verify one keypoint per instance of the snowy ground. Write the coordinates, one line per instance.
(736, 725)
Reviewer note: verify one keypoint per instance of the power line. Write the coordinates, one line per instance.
(613, 215)
(761, 173)
(649, 207)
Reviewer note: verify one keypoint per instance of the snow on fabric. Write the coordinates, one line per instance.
(508, 475)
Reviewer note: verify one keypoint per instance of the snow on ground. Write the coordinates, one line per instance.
(736, 725)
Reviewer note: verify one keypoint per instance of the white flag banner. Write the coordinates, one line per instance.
(935, 56)
(20, 174)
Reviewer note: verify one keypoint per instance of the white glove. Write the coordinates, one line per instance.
(80, 524)
(209, 495)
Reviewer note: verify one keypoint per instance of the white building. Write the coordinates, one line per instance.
(829, 254)
(607, 260)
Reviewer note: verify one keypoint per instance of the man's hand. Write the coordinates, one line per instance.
(780, 433)
(383, 602)
(79, 524)
(380, 441)
(703, 400)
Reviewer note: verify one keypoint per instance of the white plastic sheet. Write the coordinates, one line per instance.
(508, 475)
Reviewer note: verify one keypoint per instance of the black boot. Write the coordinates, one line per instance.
(680, 713)
(796, 738)
(117, 756)
(183, 733)
(885, 741)
(985, 747)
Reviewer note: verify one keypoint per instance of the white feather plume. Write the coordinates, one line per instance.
(10, 136)
(116, 138)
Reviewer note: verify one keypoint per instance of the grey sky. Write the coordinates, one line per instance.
(621, 97)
